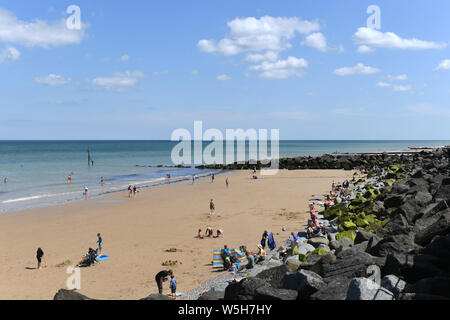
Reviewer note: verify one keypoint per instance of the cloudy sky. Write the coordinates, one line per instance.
(140, 69)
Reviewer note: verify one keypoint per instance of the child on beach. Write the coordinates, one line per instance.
(219, 233)
(130, 191)
(86, 189)
(100, 242)
(212, 208)
(200, 235)
(209, 232)
(173, 286)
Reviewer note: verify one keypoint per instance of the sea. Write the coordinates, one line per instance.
(37, 171)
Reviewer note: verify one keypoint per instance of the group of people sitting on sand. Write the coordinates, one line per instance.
(232, 264)
(209, 233)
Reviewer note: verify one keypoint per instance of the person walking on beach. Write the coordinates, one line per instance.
(193, 179)
(227, 182)
(86, 189)
(5, 181)
(162, 277)
(265, 236)
(69, 179)
(39, 256)
(168, 178)
(212, 208)
(100, 242)
(134, 191)
(130, 191)
(212, 179)
(102, 182)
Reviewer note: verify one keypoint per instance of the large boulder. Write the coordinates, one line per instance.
(293, 262)
(212, 295)
(400, 243)
(393, 284)
(270, 293)
(69, 295)
(157, 296)
(274, 276)
(443, 192)
(336, 289)
(439, 286)
(349, 263)
(366, 289)
(411, 211)
(305, 282)
(362, 236)
(305, 248)
(316, 241)
(439, 228)
(393, 201)
(439, 247)
(244, 289)
(412, 268)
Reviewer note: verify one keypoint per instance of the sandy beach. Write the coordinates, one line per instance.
(138, 231)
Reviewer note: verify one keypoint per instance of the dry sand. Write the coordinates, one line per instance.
(137, 232)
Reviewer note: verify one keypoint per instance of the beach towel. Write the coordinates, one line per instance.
(271, 242)
(240, 257)
(103, 257)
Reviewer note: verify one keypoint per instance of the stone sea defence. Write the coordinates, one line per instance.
(392, 241)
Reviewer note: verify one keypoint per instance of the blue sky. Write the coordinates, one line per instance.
(140, 69)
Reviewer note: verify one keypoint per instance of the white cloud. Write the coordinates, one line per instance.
(383, 84)
(281, 69)
(52, 80)
(444, 65)
(264, 34)
(358, 69)
(195, 72)
(223, 77)
(400, 77)
(268, 56)
(119, 80)
(316, 40)
(9, 53)
(402, 88)
(375, 38)
(36, 33)
(365, 49)
(125, 58)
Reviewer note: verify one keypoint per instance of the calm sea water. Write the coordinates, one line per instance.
(37, 171)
